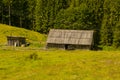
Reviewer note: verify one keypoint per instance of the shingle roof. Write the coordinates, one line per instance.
(81, 37)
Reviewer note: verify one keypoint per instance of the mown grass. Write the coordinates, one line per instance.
(17, 64)
(36, 39)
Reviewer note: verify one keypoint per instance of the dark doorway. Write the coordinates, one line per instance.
(66, 46)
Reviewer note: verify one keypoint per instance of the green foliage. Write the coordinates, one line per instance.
(116, 39)
(74, 18)
(42, 15)
(106, 33)
(33, 56)
(109, 28)
(46, 12)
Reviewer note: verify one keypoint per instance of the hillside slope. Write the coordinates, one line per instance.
(31, 36)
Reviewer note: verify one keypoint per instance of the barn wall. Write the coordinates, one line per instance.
(14, 41)
(84, 47)
(69, 46)
(49, 45)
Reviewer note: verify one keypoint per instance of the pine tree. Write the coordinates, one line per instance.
(116, 40)
(31, 15)
(8, 5)
(116, 22)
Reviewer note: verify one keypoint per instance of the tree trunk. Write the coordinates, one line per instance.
(2, 16)
(33, 21)
(9, 13)
(20, 21)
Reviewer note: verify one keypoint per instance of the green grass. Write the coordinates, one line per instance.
(34, 63)
(34, 38)
(17, 64)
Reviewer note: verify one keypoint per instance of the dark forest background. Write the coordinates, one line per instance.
(103, 16)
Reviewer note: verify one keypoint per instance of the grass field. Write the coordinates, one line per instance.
(36, 39)
(21, 64)
(36, 63)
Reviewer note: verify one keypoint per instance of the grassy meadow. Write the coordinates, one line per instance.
(34, 38)
(21, 64)
(36, 63)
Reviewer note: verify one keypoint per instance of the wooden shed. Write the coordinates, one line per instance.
(16, 41)
(70, 39)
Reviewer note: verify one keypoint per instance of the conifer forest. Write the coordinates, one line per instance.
(102, 16)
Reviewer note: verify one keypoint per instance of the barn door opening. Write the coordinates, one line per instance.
(66, 46)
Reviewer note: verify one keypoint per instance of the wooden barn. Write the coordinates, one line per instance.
(16, 41)
(70, 39)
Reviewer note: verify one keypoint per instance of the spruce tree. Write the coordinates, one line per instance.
(116, 40)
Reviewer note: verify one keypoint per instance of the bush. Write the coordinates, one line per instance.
(33, 56)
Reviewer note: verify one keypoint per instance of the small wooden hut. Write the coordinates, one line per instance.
(70, 39)
(16, 41)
